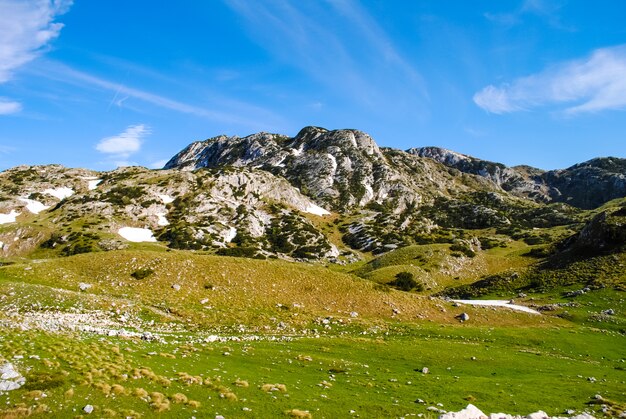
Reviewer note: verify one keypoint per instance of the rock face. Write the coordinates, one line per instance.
(268, 195)
(586, 185)
(589, 184)
(342, 169)
(604, 233)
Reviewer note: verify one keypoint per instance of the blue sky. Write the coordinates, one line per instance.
(99, 84)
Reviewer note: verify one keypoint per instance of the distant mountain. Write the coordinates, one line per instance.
(586, 185)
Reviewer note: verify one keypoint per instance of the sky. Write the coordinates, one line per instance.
(102, 84)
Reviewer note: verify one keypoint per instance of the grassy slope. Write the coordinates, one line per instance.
(372, 362)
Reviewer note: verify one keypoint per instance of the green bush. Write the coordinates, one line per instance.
(405, 281)
(142, 273)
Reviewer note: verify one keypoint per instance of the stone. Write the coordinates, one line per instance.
(470, 412)
(463, 317)
(538, 415)
(83, 286)
(10, 379)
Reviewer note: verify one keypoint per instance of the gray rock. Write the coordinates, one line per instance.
(10, 378)
(83, 286)
(463, 317)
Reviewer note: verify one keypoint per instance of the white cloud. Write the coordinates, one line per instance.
(593, 84)
(123, 145)
(8, 106)
(26, 28)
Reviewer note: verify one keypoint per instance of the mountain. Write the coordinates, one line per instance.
(586, 185)
(139, 293)
(341, 169)
(319, 196)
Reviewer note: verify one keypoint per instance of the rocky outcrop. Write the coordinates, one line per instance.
(231, 210)
(604, 233)
(342, 169)
(590, 184)
(586, 185)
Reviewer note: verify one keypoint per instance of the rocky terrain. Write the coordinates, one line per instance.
(306, 276)
(585, 185)
(267, 195)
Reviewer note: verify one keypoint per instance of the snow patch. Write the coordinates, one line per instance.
(498, 303)
(166, 199)
(60, 193)
(8, 218)
(162, 221)
(34, 206)
(230, 234)
(133, 234)
(317, 210)
(93, 184)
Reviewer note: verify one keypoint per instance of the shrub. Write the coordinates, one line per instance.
(142, 273)
(405, 281)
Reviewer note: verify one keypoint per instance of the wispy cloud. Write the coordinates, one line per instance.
(593, 84)
(242, 114)
(26, 30)
(122, 145)
(8, 106)
(302, 35)
(546, 10)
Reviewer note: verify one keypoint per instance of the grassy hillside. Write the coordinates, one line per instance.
(183, 334)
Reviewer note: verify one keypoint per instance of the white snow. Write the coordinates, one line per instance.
(93, 184)
(34, 206)
(498, 303)
(60, 193)
(230, 234)
(317, 210)
(133, 234)
(166, 199)
(162, 221)
(8, 218)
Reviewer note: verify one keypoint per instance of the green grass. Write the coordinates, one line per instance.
(376, 376)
